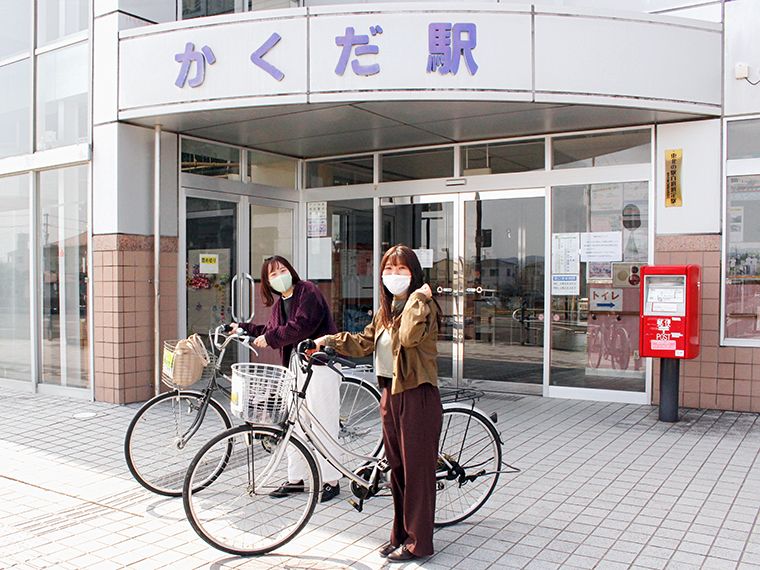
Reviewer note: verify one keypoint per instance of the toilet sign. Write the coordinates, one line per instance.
(605, 300)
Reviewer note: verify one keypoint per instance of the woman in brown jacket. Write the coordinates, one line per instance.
(403, 336)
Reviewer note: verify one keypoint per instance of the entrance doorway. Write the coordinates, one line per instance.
(226, 239)
(483, 255)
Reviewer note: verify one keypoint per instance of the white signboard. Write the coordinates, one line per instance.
(602, 246)
(319, 261)
(566, 285)
(209, 263)
(316, 219)
(566, 253)
(605, 299)
(426, 257)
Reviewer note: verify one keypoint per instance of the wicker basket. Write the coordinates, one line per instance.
(260, 392)
(173, 379)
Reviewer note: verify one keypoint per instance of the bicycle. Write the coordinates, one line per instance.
(226, 490)
(609, 341)
(169, 429)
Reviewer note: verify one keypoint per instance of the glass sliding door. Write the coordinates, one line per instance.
(599, 242)
(503, 288)
(426, 224)
(64, 270)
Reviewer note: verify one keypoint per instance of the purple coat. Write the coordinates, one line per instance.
(309, 317)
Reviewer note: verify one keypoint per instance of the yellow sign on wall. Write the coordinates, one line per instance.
(673, 178)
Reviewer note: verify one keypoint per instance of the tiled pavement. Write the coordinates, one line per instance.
(602, 486)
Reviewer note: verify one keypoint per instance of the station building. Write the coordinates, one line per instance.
(154, 152)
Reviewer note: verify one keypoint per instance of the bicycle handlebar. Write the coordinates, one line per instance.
(239, 336)
(327, 356)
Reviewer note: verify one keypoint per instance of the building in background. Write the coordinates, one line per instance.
(522, 150)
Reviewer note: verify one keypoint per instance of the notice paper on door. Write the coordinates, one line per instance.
(602, 246)
(319, 260)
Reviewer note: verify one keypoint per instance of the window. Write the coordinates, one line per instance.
(62, 227)
(436, 163)
(15, 103)
(272, 170)
(342, 172)
(15, 259)
(502, 158)
(607, 149)
(743, 138)
(208, 159)
(62, 88)
(200, 8)
(14, 29)
(57, 19)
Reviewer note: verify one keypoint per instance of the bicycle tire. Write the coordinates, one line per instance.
(595, 347)
(228, 513)
(361, 429)
(471, 441)
(151, 446)
(621, 349)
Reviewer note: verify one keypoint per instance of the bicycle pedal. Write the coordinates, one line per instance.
(358, 506)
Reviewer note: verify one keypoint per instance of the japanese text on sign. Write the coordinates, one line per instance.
(673, 178)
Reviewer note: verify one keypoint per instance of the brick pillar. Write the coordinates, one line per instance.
(123, 307)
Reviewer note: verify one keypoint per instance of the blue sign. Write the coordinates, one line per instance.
(448, 44)
(363, 47)
(256, 57)
(188, 57)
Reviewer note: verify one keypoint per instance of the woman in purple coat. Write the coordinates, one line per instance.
(299, 311)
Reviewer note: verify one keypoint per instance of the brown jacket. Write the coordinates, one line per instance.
(413, 341)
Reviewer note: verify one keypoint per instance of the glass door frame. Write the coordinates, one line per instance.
(244, 196)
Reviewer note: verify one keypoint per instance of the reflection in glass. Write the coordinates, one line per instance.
(743, 139)
(436, 163)
(15, 103)
(341, 262)
(15, 258)
(429, 229)
(62, 230)
(57, 19)
(743, 253)
(15, 38)
(502, 158)
(342, 172)
(594, 329)
(210, 230)
(200, 8)
(62, 87)
(209, 159)
(606, 149)
(271, 169)
(504, 290)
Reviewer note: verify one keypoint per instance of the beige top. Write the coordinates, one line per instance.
(413, 343)
(384, 355)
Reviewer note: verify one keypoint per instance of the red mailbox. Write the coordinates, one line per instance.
(670, 311)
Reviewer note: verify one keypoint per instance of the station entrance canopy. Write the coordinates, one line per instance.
(313, 82)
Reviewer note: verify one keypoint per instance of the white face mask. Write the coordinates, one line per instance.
(398, 285)
(282, 283)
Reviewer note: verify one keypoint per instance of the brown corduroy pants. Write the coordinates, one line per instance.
(411, 430)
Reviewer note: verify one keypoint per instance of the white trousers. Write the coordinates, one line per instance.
(323, 400)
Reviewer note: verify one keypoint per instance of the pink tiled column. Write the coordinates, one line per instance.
(124, 307)
(722, 377)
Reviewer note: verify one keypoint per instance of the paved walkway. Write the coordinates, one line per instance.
(602, 486)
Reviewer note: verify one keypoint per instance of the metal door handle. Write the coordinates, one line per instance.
(233, 299)
(251, 298)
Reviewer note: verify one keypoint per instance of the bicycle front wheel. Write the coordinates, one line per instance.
(234, 512)
(361, 429)
(155, 448)
(469, 460)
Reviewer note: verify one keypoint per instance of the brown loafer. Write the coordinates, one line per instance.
(401, 555)
(387, 549)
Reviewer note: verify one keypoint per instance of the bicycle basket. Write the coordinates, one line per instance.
(185, 362)
(260, 392)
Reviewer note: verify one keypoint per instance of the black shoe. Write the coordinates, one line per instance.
(288, 489)
(329, 492)
(401, 555)
(387, 549)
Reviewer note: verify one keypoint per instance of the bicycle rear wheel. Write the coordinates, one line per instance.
(154, 448)
(469, 460)
(361, 429)
(234, 512)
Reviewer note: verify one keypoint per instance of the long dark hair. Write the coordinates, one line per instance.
(400, 255)
(267, 293)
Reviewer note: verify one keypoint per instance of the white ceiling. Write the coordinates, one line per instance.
(319, 130)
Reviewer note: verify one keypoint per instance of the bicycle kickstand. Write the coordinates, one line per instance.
(359, 506)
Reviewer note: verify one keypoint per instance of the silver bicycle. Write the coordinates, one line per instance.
(169, 429)
(226, 490)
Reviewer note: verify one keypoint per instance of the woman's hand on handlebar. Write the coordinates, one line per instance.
(232, 328)
(260, 341)
(320, 342)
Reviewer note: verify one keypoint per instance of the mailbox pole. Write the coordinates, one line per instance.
(669, 372)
